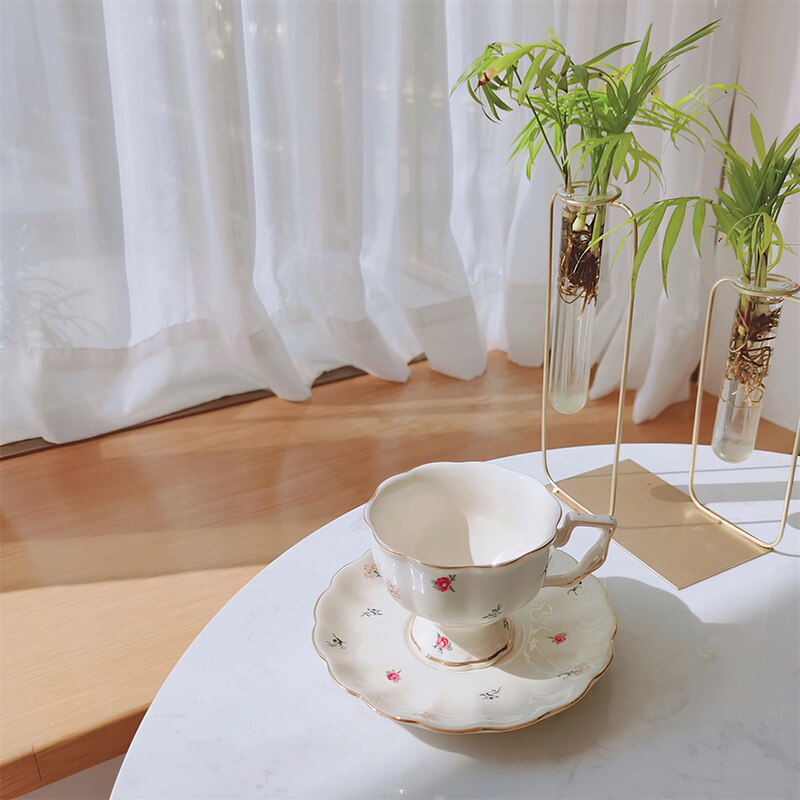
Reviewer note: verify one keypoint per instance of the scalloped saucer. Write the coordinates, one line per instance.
(563, 642)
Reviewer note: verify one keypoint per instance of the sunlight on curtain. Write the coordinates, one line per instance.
(200, 199)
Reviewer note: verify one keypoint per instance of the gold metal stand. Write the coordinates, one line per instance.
(555, 488)
(699, 409)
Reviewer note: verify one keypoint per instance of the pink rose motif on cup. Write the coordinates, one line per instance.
(444, 583)
(393, 675)
(442, 643)
(392, 588)
(559, 638)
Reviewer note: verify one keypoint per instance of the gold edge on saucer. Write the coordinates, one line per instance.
(460, 731)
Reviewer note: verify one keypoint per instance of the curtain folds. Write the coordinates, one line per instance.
(200, 199)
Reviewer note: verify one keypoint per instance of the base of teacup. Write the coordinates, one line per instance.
(461, 648)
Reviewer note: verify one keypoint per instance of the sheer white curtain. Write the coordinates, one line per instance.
(199, 199)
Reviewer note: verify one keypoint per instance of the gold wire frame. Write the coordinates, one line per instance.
(557, 490)
(698, 410)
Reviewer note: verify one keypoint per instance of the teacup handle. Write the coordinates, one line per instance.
(595, 555)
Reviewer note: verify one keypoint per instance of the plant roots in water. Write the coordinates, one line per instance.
(579, 266)
(750, 348)
(749, 353)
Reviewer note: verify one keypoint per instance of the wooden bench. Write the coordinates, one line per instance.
(116, 551)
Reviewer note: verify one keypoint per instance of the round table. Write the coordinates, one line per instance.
(700, 701)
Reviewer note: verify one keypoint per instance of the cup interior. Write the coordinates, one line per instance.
(463, 514)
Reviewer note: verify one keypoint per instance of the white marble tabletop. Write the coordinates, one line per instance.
(702, 699)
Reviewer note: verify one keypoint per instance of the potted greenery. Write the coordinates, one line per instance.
(746, 216)
(586, 116)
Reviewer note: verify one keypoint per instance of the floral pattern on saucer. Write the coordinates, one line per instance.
(370, 570)
(442, 643)
(563, 644)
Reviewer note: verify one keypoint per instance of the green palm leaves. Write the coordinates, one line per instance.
(747, 214)
(587, 115)
(584, 114)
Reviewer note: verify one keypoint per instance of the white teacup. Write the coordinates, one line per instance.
(463, 545)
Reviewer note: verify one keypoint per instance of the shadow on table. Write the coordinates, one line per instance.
(738, 492)
(774, 491)
(750, 492)
(649, 680)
